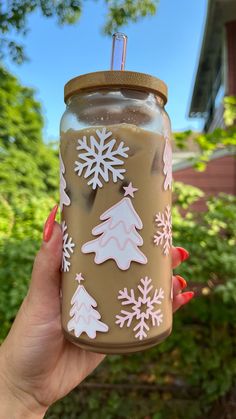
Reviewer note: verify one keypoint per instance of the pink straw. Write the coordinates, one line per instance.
(119, 45)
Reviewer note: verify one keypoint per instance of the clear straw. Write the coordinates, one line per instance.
(119, 45)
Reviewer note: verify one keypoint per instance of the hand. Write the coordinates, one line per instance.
(37, 364)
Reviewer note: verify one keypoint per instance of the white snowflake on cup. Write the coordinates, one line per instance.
(67, 248)
(163, 236)
(143, 308)
(98, 158)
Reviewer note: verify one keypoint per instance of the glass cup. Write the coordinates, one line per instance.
(115, 198)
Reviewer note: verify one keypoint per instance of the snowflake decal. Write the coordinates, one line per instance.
(143, 308)
(99, 158)
(67, 248)
(163, 236)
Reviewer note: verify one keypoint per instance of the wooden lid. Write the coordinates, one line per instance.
(117, 79)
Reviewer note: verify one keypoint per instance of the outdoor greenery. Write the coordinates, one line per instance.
(213, 141)
(183, 376)
(14, 15)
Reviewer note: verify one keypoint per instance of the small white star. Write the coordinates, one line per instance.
(79, 278)
(129, 190)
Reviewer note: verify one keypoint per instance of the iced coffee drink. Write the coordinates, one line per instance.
(115, 188)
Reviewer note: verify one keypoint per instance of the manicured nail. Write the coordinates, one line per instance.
(187, 296)
(48, 227)
(182, 282)
(184, 254)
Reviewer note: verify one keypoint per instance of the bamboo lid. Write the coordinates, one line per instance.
(117, 79)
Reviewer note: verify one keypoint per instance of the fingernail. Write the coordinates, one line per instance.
(182, 282)
(184, 254)
(48, 227)
(187, 296)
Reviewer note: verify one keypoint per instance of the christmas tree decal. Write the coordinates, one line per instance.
(118, 237)
(167, 160)
(64, 198)
(85, 319)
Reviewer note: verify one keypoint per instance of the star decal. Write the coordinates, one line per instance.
(79, 278)
(129, 190)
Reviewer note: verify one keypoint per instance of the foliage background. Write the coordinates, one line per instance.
(185, 375)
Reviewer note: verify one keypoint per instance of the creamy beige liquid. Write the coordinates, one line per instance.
(144, 168)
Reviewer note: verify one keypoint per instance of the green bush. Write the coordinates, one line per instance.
(20, 238)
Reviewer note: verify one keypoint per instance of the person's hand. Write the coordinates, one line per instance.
(37, 364)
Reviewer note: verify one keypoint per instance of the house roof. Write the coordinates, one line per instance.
(218, 13)
(184, 160)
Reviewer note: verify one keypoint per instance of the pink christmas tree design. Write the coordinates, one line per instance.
(167, 160)
(85, 319)
(118, 237)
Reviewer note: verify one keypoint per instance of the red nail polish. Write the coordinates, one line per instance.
(187, 296)
(48, 227)
(184, 254)
(182, 282)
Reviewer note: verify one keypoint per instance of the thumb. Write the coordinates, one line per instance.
(45, 281)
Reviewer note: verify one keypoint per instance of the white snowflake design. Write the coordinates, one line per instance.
(163, 236)
(67, 248)
(143, 308)
(99, 159)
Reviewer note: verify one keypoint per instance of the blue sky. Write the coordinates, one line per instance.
(166, 46)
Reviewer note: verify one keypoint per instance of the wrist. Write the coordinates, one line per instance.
(15, 403)
(12, 407)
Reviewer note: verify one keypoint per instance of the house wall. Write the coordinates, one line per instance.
(231, 57)
(215, 115)
(218, 120)
(219, 176)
